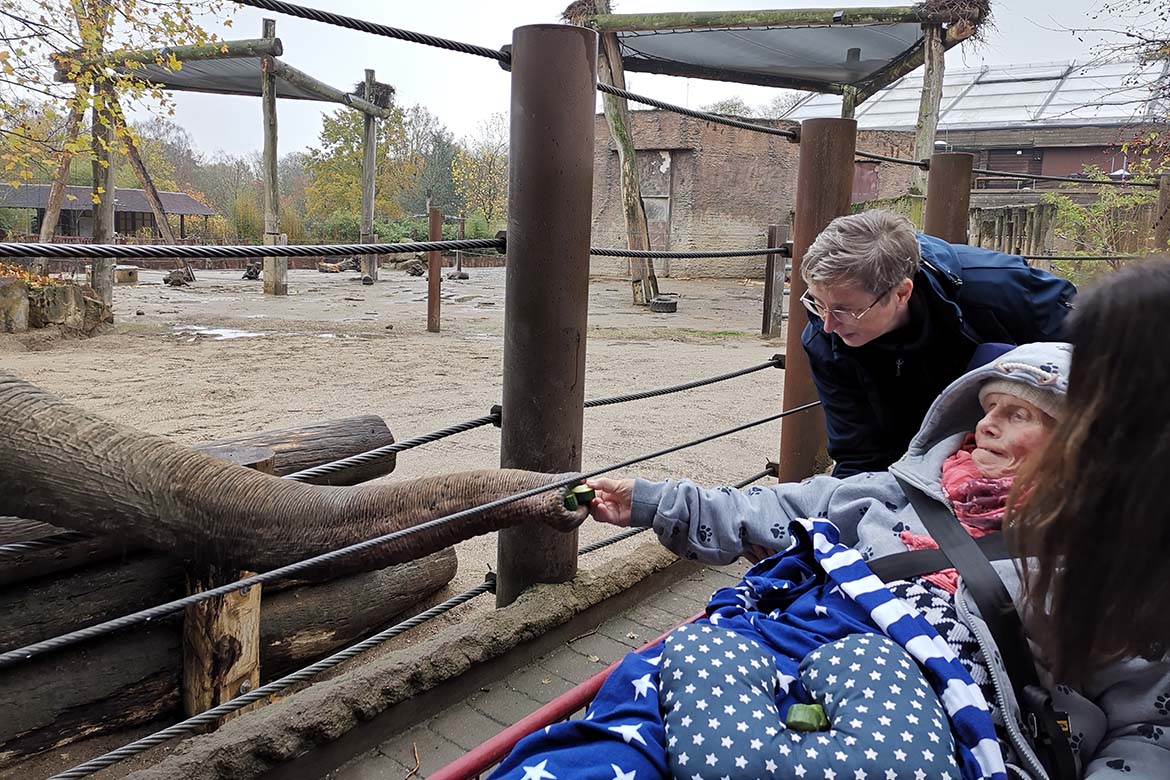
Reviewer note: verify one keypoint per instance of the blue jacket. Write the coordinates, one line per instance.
(876, 395)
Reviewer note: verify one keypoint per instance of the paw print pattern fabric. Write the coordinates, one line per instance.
(722, 720)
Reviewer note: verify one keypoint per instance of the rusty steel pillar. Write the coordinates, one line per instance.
(948, 196)
(824, 187)
(550, 187)
(434, 269)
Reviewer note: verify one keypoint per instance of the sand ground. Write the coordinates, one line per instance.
(220, 358)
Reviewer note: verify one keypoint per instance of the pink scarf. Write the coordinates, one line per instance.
(979, 503)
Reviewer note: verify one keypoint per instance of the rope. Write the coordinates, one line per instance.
(195, 723)
(189, 250)
(791, 135)
(653, 253)
(775, 362)
(12, 657)
(47, 543)
(611, 540)
(399, 446)
(923, 164)
(361, 25)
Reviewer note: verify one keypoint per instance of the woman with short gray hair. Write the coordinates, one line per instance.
(895, 316)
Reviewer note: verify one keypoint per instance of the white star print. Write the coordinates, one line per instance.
(629, 732)
(704, 648)
(867, 693)
(850, 741)
(784, 749)
(703, 674)
(716, 663)
(919, 774)
(855, 667)
(831, 679)
(690, 688)
(840, 756)
(871, 754)
(683, 758)
(673, 741)
(716, 691)
(711, 759)
(740, 762)
(891, 774)
(701, 704)
(879, 737)
(835, 660)
(690, 659)
(875, 675)
(770, 765)
(927, 755)
(855, 723)
(713, 723)
(811, 753)
(642, 686)
(912, 719)
(820, 610)
(697, 739)
(895, 689)
(729, 710)
(653, 661)
(906, 736)
(830, 774)
(729, 679)
(883, 720)
(757, 715)
(756, 744)
(860, 774)
(741, 726)
(799, 770)
(677, 674)
(618, 774)
(900, 754)
(726, 742)
(538, 772)
(686, 721)
(889, 705)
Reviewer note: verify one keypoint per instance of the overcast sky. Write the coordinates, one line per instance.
(462, 90)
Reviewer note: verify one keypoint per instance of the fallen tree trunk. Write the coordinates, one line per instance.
(304, 446)
(133, 677)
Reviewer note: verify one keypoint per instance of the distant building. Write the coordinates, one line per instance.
(1051, 119)
(132, 213)
(707, 186)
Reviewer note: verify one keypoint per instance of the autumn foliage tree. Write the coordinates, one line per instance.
(480, 169)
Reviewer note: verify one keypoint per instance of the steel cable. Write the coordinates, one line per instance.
(325, 17)
(791, 135)
(189, 250)
(776, 361)
(600, 251)
(1073, 179)
(12, 657)
(46, 543)
(195, 723)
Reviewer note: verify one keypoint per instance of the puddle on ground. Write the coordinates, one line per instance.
(218, 334)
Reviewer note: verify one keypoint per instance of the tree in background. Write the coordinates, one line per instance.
(334, 168)
(480, 169)
(773, 109)
(41, 120)
(431, 148)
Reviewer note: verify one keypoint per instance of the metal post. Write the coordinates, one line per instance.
(948, 196)
(824, 186)
(1162, 215)
(369, 146)
(550, 187)
(434, 269)
(275, 268)
(459, 253)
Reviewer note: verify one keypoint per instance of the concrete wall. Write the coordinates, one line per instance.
(724, 187)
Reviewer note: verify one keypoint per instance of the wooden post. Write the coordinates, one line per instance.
(275, 268)
(221, 636)
(617, 116)
(103, 187)
(1162, 215)
(434, 269)
(550, 188)
(928, 106)
(57, 190)
(774, 278)
(824, 186)
(459, 253)
(369, 151)
(142, 174)
(948, 204)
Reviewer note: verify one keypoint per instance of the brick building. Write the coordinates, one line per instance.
(708, 186)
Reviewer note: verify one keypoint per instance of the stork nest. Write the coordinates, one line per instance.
(383, 93)
(976, 13)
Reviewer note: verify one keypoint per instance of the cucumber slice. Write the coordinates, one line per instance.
(806, 717)
(571, 502)
(584, 494)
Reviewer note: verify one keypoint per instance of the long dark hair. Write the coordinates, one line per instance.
(1093, 507)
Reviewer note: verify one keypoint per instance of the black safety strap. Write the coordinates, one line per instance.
(1048, 727)
(915, 563)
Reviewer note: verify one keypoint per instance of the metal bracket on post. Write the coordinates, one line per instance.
(502, 235)
(506, 63)
(497, 411)
(779, 360)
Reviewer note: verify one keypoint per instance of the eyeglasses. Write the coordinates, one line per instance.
(841, 315)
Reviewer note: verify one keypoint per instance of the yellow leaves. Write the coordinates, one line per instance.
(34, 281)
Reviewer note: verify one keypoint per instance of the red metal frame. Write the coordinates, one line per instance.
(494, 750)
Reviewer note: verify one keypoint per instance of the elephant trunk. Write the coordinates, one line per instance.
(69, 468)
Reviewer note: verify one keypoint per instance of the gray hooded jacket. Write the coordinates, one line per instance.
(1120, 720)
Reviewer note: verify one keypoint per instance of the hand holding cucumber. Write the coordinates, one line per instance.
(611, 502)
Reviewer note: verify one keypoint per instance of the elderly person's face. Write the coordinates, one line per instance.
(856, 314)
(1010, 431)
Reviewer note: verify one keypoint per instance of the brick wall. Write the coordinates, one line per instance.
(725, 186)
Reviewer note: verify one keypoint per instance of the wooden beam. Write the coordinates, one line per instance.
(929, 103)
(643, 280)
(102, 140)
(323, 91)
(275, 268)
(802, 17)
(143, 175)
(909, 61)
(68, 65)
(369, 166)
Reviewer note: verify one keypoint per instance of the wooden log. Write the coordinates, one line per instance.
(102, 142)
(303, 446)
(934, 53)
(325, 92)
(67, 64)
(131, 678)
(603, 21)
(275, 268)
(369, 264)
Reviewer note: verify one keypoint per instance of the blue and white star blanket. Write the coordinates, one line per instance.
(814, 593)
